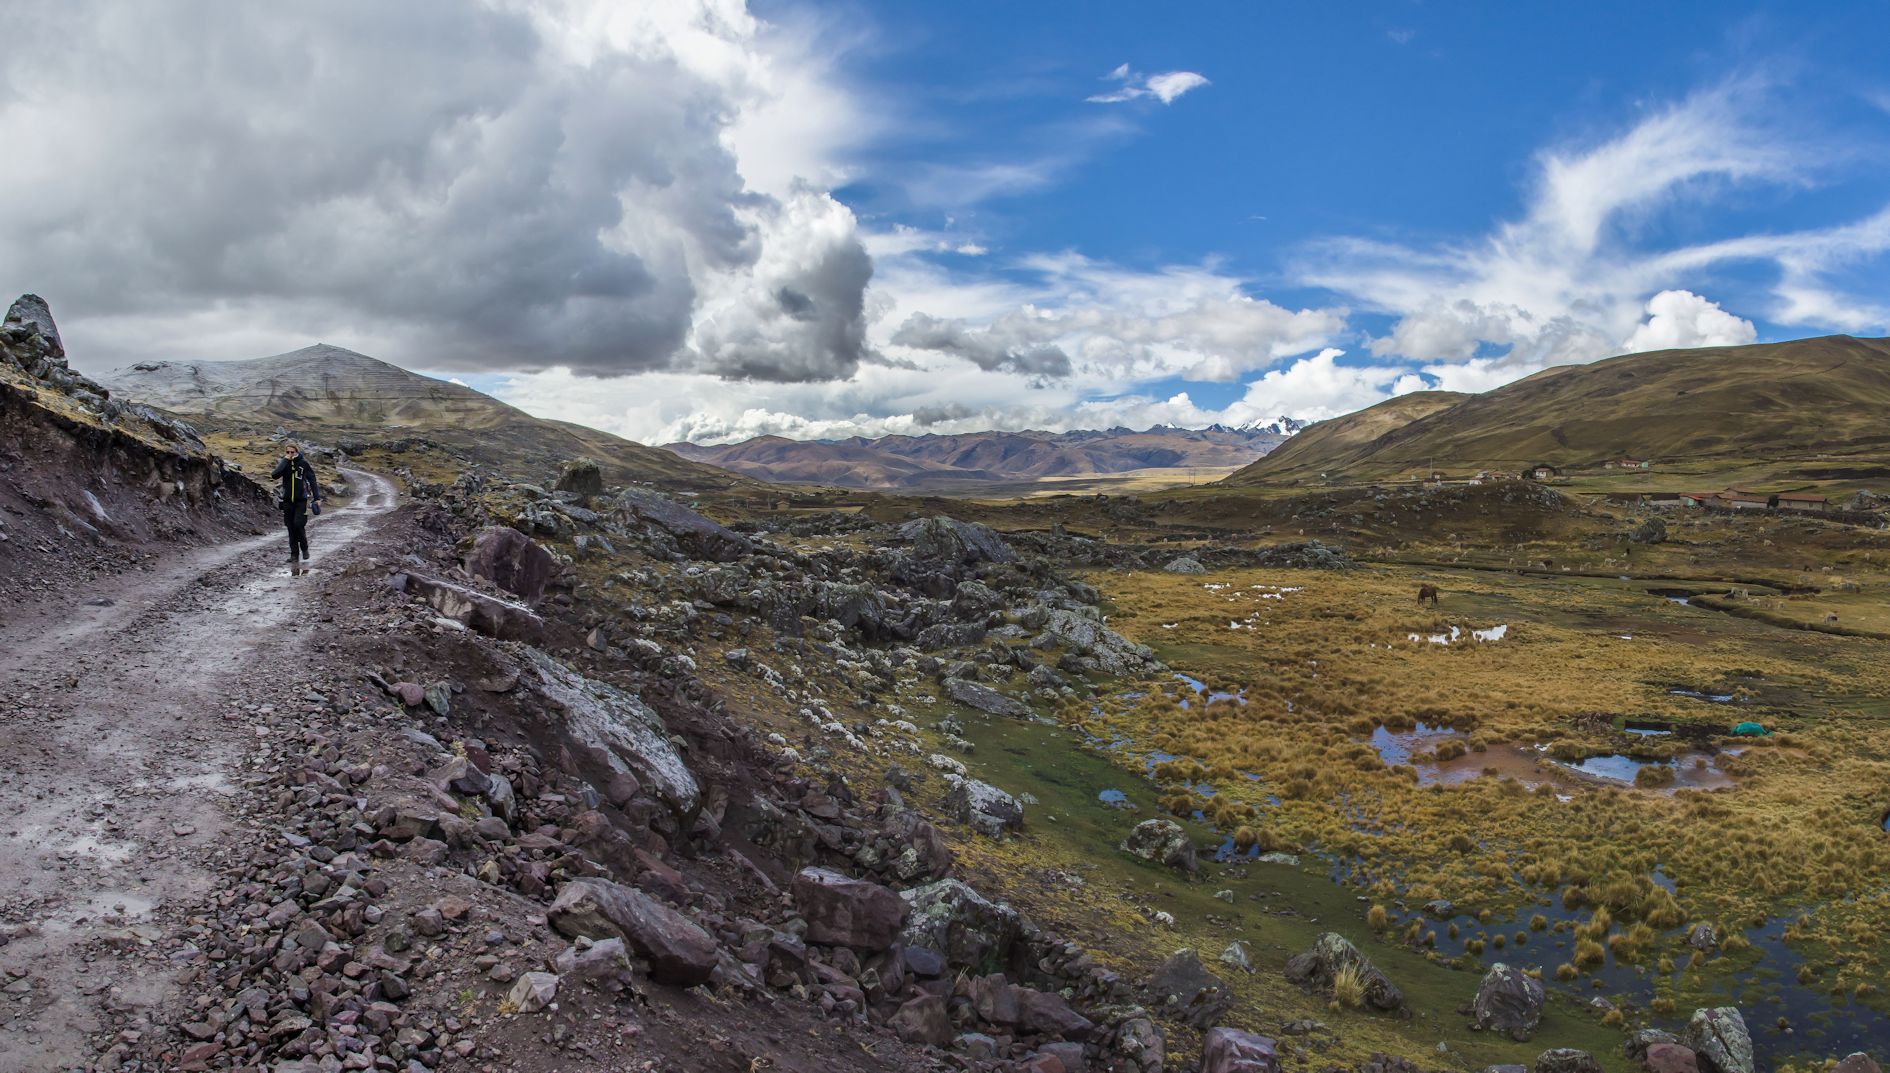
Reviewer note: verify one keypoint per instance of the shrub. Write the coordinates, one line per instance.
(1348, 986)
(1378, 918)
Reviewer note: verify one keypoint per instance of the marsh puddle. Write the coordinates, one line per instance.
(1114, 798)
(1400, 746)
(1213, 696)
(1693, 770)
(1710, 698)
(1647, 730)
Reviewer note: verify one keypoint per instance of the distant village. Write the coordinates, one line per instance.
(1729, 499)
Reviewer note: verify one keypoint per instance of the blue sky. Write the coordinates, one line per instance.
(712, 219)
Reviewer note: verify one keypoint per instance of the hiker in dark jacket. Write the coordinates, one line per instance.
(299, 491)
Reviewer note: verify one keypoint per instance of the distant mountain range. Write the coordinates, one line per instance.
(329, 394)
(959, 460)
(1818, 405)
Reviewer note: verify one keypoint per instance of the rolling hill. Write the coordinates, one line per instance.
(934, 462)
(1804, 400)
(329, 394)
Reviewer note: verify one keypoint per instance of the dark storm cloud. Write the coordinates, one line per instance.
(437, 173)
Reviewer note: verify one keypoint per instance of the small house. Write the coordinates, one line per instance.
(1735, 500)
(1625, 462)
(1805, 501)
(1699, 499)
(1544, 472)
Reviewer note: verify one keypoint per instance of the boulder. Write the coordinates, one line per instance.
(970, 930)
(533, 992)
(1185, 988)
(843, 911)
(619, 728)
(604, 964)
(1508, 1001)
(31, 310)
(1163, 842)
(1566, 1060)
(989, 810)
(1229, 1050)
(1671, 1058)
(1187, 564)
(1720, 1039)
(1237, 956)
(489, 615)
(1643, 1038)
(1857, 1062)
(1319, 966)
(923, 1020)
(679, 952)
(985, 699)
(581, 477)
(511, 560)
(1046, 1013)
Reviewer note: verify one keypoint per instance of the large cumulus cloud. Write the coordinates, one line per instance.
(501, 185)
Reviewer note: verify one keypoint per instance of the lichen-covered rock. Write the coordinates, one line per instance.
(621, 729)
(989, 810)
(1720, 1038)
(1671, 1058)
(1140, 1042)
(1319, 966)
(1186, 564)
(1163, 842)
(951, 542)
(582, 477)
(1508, 1001)
(970, 930)
(1566, 1060)
(693, 534)
(985, 699)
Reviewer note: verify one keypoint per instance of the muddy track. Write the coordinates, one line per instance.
(122, 721)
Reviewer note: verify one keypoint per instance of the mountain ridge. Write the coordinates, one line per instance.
(1790, 399)
(332, 393)
(939, 459)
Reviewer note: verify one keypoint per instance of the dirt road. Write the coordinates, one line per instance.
(122, 721)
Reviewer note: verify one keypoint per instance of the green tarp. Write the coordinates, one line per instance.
(1751, 730)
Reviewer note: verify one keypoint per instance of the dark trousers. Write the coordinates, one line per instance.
(295, 516)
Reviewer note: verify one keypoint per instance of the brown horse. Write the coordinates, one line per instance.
(1427, 592)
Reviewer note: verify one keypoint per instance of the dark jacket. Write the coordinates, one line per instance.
(298, 481)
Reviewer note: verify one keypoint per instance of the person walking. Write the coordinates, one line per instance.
(299, 493)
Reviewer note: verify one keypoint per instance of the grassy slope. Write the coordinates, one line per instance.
(1811, 400)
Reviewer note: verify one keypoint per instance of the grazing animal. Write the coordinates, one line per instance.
(1831, 616)
(1427, 592)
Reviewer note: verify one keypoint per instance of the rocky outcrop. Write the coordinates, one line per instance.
(989, 810)
(1186, 564)
(511, 560)
(1508, 1001)
(1318, 967)
(475, 610)
(1720, 1038)
(843, 911)
(619, 729)
(679, 952)
(1163, 842)
(1229, 1050)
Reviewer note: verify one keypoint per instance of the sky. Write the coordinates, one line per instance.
(710, 219)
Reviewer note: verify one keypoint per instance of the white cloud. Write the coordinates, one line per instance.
(1571, 279)
(1677, 319)
(1133, 86)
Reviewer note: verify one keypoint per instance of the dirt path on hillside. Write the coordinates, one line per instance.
(122, 721)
